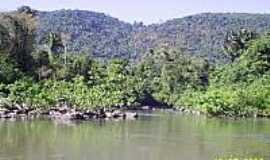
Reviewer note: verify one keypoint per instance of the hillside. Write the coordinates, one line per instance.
(91, 32)
(203, 34)
(105, 37)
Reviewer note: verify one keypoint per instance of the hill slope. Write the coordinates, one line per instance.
(91, 32)
(106, 37)
(203, 34)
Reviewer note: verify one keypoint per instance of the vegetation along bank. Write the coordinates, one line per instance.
(38, 77)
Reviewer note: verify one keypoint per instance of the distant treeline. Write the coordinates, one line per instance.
(105, 37)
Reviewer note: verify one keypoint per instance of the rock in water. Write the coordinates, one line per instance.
(130, 115)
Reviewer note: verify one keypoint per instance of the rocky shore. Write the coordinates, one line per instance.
(66, 112)
(63, 111)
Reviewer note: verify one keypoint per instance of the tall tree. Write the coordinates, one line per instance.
(17, 30)
(54, 45)
(236, 42)
(66, 37)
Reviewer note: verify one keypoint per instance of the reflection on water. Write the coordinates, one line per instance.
(163, 136)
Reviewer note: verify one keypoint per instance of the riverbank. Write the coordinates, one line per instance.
(63, 111)
(67, 112)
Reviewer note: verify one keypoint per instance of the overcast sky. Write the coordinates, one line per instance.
(148, 11)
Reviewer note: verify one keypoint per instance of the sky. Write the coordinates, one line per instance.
(147, 11)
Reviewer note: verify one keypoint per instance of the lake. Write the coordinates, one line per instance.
(155, 136)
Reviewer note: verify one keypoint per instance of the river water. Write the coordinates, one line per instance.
(157, 136)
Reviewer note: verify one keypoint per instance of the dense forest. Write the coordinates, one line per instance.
(103, 36)
(39, 75)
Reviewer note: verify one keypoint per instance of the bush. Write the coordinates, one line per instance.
(234, 100)
(8, 71)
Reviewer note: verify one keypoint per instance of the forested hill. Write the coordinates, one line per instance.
(104, 36)
(91, 32)
(204, 34)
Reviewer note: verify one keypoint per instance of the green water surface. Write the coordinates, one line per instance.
(157, 136)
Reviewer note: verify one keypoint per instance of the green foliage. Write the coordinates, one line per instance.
(106, 37)
(72, 66)
(238, 100)
(166, 74)
(169, 73)
(117, 87)
(236, 43)
(92, 33)
(23, 91)
(253, 63)
(54, 45)
(17, 38)
(8, 71)
(238, 89)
